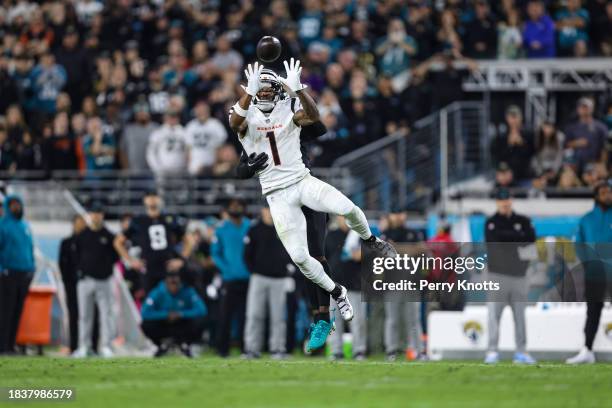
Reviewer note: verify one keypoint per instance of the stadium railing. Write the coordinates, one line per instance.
(121, 191)
(409, 171)
(540, 80)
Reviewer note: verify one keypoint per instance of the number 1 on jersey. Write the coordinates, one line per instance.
(272, 140)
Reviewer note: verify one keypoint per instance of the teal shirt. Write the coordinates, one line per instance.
(161, 302)
(102, 162)
(395, 60)
(594, 236)
(16, 241)
(569, 36)
(227, 250)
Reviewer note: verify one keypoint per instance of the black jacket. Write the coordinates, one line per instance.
(68, 261)
(96, 254)
(504, 236)
(264, 253)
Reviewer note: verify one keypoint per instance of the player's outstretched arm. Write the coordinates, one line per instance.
(309, 112)
(239, 110)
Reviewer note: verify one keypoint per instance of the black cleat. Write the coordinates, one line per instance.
(162, 350)
(381, 247)
(186, 350)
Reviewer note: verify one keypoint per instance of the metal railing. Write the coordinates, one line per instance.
(410, 171)
(121, 192)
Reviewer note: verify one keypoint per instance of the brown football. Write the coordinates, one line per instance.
(268, 49)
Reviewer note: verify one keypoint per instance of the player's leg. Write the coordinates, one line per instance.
(290, 225)
(321, 196)
(316, 226)
(316, 232)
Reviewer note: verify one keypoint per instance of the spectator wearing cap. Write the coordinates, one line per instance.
(173, 313)
(167, 148)
(205, 135)
(96, 257)
(135, 139)
(586, 137)
(573, 26)
(506, 234)
(481, 34)
(17, 266)
(594, 228)
(514, 144)
(539, 31)
(227, 252)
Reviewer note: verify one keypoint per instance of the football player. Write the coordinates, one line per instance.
(273, 125)
(157, 235)
(316, 230)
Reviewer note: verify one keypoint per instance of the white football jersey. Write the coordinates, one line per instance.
(203, 140)
(167, 150)
(278, 136)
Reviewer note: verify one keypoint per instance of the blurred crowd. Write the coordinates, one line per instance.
(89, 85)
(553, 159)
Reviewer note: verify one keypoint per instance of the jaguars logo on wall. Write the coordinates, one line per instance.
(608, 330)
(472, 330)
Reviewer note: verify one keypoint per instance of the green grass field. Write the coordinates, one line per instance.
(299, 382)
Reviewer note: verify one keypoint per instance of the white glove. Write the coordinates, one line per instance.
(252, 73)
(294, 71)
(212, 291)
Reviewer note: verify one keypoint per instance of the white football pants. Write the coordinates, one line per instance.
(290, 223)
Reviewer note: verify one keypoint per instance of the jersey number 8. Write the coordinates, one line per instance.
(157, 236)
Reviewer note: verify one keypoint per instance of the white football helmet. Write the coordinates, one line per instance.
(269, 79)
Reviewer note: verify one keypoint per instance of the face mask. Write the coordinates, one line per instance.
(18, 213)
